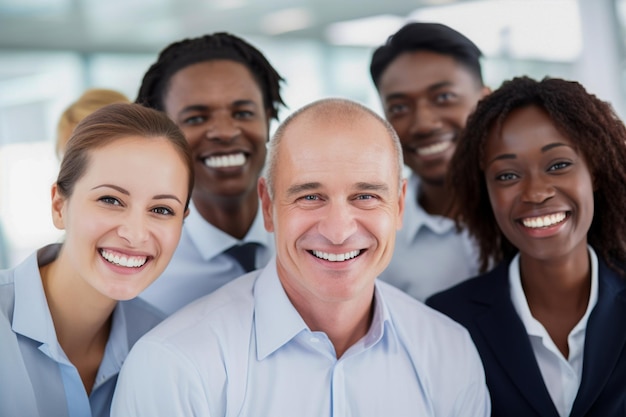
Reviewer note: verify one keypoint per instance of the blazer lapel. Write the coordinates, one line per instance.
(604, 339)
(508, 339)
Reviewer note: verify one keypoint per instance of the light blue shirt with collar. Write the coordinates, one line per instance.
(245, 351)
(36, 377)
(199, 265)
(429, 254)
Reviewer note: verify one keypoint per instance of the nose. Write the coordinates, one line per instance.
(338, 223)
(425, 119)
(223, 128)
(134, 228)
(536, 189)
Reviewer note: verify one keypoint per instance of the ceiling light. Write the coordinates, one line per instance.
(286, 20)
(370, 31)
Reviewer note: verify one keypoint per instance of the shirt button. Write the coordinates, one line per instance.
(314, 339)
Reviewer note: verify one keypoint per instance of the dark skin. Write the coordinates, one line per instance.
(557, 294)
(219, 107)
(427, 98)
(541, 192)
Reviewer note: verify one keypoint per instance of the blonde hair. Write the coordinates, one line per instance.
(90, 101)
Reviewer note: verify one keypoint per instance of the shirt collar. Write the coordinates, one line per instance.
(117, 348)
(211, 241)
(520, 303)
(31, 315)
(415, 217)
(32, 318)
(277, 321)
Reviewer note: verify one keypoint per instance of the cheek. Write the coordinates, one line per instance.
(193, 135)
(293, 224)
(168, 236)
(500, 204)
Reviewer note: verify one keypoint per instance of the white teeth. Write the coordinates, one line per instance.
(544, 221)
(336, 257)
(225, 161)
(434, 148)
(126, 261)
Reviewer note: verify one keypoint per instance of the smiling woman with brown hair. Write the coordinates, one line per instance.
(67, 314)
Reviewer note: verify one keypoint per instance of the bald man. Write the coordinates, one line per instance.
(314, 333)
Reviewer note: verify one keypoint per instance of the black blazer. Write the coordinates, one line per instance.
(483, 305)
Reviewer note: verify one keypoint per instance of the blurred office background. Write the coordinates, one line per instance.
(51, 50)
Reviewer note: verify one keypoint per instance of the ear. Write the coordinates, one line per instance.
(58, 206)
(185, 214)
(485, 91)
(401, 202)
(266, 204)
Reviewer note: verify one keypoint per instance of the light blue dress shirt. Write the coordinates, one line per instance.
(245, 351)
(429, 255)
(199, 265)
(36, 377)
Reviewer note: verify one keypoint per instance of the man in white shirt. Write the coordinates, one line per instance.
(313, 333)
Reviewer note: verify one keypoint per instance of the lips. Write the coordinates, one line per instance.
(235, 159)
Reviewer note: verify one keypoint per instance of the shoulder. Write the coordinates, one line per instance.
(482, 288)
(191, 354)
(441, 349)
(418, 322)
(140, 317)
(211, 315)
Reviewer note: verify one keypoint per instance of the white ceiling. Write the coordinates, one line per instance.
(148, 25)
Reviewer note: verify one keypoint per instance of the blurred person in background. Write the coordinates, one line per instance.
(429, 80)
(222, 92)
(90, 101)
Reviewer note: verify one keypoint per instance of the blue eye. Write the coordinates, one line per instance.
(310, 197)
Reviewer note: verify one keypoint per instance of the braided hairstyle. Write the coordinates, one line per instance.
(591, 125)
(179, 55)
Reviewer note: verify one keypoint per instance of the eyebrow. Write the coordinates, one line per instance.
(544, 149)
(299, 188)
(202, 107)
(361, 186)
(368, 186)
(125, 192)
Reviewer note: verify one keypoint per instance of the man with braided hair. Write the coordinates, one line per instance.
(222, 92)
